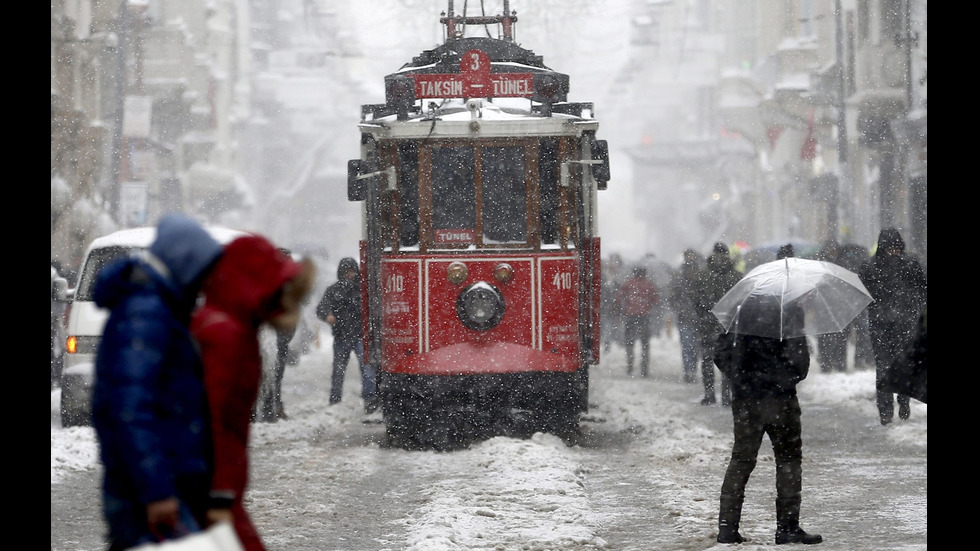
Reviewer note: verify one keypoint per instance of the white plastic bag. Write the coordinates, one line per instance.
(218, 537)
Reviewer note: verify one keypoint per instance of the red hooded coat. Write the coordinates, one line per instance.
(241, 293)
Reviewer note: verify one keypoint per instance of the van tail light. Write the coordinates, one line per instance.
(75, 344)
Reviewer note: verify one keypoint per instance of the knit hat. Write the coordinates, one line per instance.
(720, 248)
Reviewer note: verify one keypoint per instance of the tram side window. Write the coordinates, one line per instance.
(408, 185)
(504, 194)
(548, 184)
(453, 189)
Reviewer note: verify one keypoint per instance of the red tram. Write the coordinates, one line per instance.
(480, 257)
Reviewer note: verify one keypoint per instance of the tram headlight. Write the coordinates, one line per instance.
(480, 306)
(503, 272)
(456, 272)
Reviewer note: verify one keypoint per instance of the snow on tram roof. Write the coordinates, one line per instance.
(522, 66)
(500, 117)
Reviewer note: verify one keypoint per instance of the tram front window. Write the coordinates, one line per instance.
(453, 194)
(408, 186)
(504, 194)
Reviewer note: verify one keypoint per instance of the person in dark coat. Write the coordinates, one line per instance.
(149, 407)
(612, 323)
(851, 257)
(764, 373)
(636, 299)
(718, 276)
(683, 300)
(908, 374)
(897, 284)
(831, 347)
(252, 284)
(340, 307)
(269, 408)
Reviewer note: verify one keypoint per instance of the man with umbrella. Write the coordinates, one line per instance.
(764, 372)
(898, 285)
(765, 355)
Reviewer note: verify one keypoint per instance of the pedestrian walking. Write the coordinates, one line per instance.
(683, 300)
(851, 257)
(340, 307)
(764, 372)
(252, 284)
(269, 408)
(831, 347)
(612, 278)
(658, 272)
(909, 373)
(149, 408)
(636, 299)
(718, 276)
(897, 283)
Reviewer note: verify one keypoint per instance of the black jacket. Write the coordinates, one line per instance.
(715, 279)
(898, 286)
(764, 367)
(343, 300)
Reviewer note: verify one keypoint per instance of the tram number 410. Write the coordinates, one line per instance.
(395, 284)
(562, 280)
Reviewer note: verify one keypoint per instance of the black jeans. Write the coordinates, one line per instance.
(637, 329)
(888, 341)
(832, 352)
(780, 419)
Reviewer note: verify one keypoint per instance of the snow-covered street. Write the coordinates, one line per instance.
(645, 474)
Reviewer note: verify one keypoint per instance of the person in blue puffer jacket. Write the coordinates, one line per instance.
(149, 408)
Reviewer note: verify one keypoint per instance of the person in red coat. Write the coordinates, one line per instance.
(253, 283)
(636, 298)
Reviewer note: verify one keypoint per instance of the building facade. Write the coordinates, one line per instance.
(145, 96)
(772, 120)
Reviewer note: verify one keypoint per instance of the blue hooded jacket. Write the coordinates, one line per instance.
(149, 409)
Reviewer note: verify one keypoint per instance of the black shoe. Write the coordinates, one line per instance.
(689, 379)
(730, 536)
(797, 536)
(708, 401)
(371, 406)
(726, 403)
(904, 411)
(886, 420)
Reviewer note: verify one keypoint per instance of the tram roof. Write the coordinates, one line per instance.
(500, 117)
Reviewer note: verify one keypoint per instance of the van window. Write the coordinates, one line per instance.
(97, 259)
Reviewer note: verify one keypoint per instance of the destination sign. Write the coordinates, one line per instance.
(474, 81)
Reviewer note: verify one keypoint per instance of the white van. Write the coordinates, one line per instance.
(85, 320)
